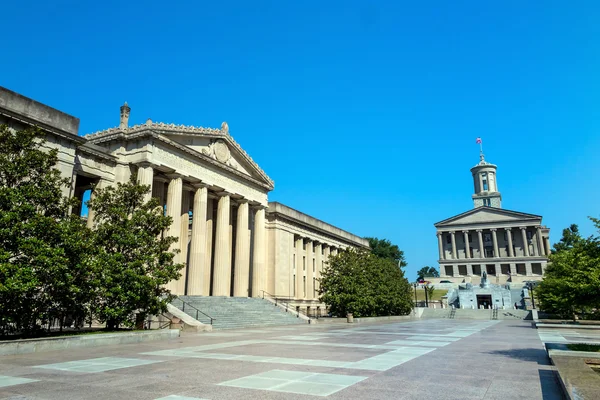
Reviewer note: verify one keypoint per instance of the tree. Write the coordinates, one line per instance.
(133, 255)
(427, 272)
(571, 284)
(569, 238)
(359, 282)
(44, 252)
(385, 249)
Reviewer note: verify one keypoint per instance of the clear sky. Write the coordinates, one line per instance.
(364, 115)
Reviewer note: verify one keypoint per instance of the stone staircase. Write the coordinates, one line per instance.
(475, 314)
(236, 312)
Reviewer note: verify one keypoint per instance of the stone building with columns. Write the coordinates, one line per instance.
(232, 241)
(511, 246)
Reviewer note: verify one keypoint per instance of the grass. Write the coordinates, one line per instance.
(584, 347)
(437, 294)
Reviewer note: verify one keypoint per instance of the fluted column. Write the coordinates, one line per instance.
(440, 246)
(184, 239)
(540, 241)
(222, 269)
(174, 193)
(495, 241)
(241, 283)
(454, 255)
(309, 270)
(548, 246)
(145, 176)
(299, 267)
(481, 248)
(511, 251)
(467, 246)
(195, 284)
(259, 253)
(534, 244)
(525, 244)
(210, 225)
(318, 262)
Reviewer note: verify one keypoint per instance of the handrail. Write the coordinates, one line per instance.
(197, 311)
(286, 305)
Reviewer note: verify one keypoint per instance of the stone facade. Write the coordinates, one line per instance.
(510, 246)
(231, 239)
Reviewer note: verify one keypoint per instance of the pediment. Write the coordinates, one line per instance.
(484, 215)
(224, 150)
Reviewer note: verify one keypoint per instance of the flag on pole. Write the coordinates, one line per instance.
(478, 140)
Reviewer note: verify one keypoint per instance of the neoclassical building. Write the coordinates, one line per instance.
(232, 241)
(510, 246)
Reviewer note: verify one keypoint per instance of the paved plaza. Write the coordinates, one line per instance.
(424, 359)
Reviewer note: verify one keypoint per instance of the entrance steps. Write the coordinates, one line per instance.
(488, 314)
(236, 312)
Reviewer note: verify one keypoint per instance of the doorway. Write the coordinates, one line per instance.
(484, 300)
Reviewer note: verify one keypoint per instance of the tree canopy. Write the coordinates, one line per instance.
(359, 282)
(52, 267)
(385, 249)
(572, 279)
(426, 272)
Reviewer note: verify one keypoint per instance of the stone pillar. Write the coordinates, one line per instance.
(454, 255)
(158, 191)
(259, 253)
(467, 246)
(534, 244)
(195, 284)
(222, 268)
(184, 239)
(528, 270)
(495, 241)
(145, 176)
(481, 248)
(540, 241)
(174, 193)
(309, 270)
(318, 260)
(334, 251)
(455, 270)
(513, 268)
(241, 283)
(548, 246)
(469, 269)
(440, 246)
(511, 251)
(525, 243)
(210, 223)
(299, 271)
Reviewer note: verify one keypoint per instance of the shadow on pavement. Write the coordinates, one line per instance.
(533, 355)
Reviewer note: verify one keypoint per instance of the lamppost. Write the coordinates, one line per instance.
(415, 286)
(530, 286)
(426, 297)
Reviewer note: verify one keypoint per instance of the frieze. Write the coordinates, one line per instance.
(317, 236)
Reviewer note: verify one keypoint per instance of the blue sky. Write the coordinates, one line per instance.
(365, 115)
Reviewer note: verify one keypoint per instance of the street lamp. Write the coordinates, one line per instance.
(415, 286)
(530, 286)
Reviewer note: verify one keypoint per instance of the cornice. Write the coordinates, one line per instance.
(155, 128)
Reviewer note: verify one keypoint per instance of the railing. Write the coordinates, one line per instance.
(494, 312)
(278, 301)
(162, 324)
(198, 312)
(452, 313)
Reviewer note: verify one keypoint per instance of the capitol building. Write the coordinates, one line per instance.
(232, 239)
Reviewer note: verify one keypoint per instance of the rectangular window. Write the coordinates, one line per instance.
(294, 262)
(294, 286)
(489, 252)
(448, 239)
(487, 237)
(303, 245)
(314, 287)
(314, 265)
(303, 263)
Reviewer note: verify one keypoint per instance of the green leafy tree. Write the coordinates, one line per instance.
(44, 257)
(426, 272)
(570, 236)
(133, 254)
(361, 283)
(571, 283)
(385, 249)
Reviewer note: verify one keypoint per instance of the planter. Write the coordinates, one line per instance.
(349, 318)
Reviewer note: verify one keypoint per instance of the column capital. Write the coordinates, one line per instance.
(452, 232)
(439, 234)
(223, 193)
(493, 229)
(466, 231)
(479, 230)
(522, 228)
(508, 229)
(145, 164)
(199, 185)
(174, 175)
